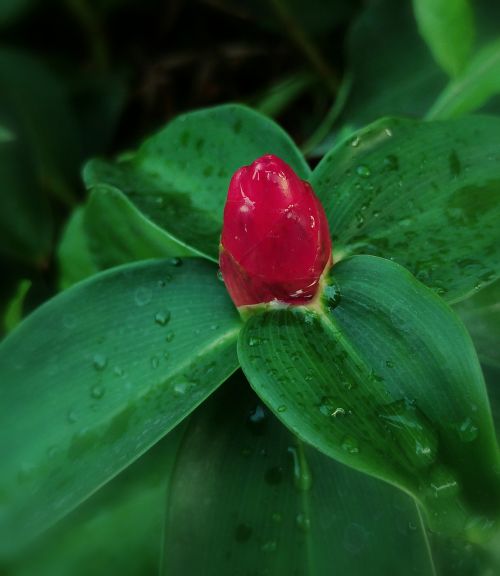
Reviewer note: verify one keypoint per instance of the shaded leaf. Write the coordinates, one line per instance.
(25, 218)
(75, 260)
(116, 531)
(448, 29)
(99, 374)
(471, 89)
(481, 316)
(387, 79)
(34, 105)
(426, 195)
(250, 498)
(179, 177)
(384, 378)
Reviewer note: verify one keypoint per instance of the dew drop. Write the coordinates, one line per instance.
(169, 336)
(143, 296)
(269, 547)
(180, 388)
(253, 341)
(467, 430)
(331, 296)
(389, 363)
(303, 522)
(302, 477)
(356, 141)
(391, 163)
(97, 391)
(219, 275)
(338, 412)
(350, 445)
(118, 371)
(99, 362)
(155, 362)
(72, 416)
(175, 262)
(364, 171)
(282, 408)
(162, 318)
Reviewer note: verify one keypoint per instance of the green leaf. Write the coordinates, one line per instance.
(100, 373)
(426, 195)
(250, 498)
(481, 316)
(75, 260)
(34, 105)
(14, 311)
(471, 89)
(119, 233)
(116, 531)
(387, 79)
(11, 10)
(448, 28)
(383, 377)
(179, 177)
(25, 218)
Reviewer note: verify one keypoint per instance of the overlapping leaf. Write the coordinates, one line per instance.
(179, 177)
(250, 498)
(385, 380)
(97, 375)
(426, 195)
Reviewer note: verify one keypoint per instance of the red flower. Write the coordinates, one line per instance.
(275, 241)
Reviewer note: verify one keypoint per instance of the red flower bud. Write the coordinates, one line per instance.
(275, 241)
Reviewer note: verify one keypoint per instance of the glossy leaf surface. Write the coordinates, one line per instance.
(179, 177)
(426, 195)
(386, 380)
(119, 233)
(247, 497)
(99, 374)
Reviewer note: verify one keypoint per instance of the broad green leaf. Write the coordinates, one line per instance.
(119, 233)
(383, 377)
(100, 373)
(179, 177)
(249, 498)
(25, 219)
(448, 28)
(118, 530)
(34, 106)
(471, 89)
(73, 254)
(481, 316)
(424, 194)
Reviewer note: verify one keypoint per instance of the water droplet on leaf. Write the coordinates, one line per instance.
(162, 318)
(143, 295)
(363, 170)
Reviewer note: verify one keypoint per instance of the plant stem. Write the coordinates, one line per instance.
(329, 120)
(92, 29)
(307, 47)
